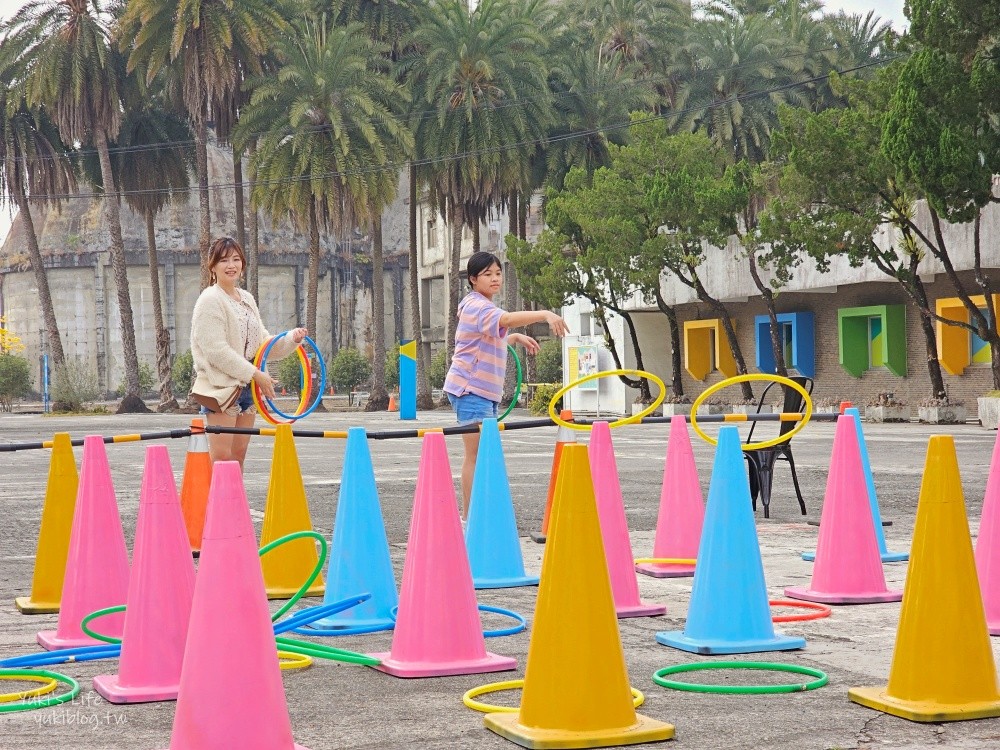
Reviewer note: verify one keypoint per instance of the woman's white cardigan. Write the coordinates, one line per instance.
(217, 346)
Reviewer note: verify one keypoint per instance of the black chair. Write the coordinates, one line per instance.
(760, 463)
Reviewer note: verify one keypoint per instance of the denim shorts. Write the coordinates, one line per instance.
(244, 405)
(471, 408)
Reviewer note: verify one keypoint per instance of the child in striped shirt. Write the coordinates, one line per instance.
(474, 383)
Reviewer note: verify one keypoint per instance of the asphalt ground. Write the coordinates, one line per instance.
(342, 706)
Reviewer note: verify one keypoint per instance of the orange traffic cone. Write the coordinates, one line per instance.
(392, 403)
(194, 486)
(564, 436)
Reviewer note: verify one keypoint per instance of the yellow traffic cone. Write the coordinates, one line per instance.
(287, 567)
(942, 666)
(576, 688)
(54, 532)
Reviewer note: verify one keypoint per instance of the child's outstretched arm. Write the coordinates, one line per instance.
(526, 317)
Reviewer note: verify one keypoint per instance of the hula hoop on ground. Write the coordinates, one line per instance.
(48, 685)
(749, 378)
(819, 611)
(517, 388)
(85, 622)
(665, 561)
(635, 419)
(15, 674)
(512, 630)
(291, 660)
(660, 675)
(469, 699)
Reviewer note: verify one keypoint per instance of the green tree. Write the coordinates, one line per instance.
(480, 90)
(202, 44)
(349, 368)
(331, 138)
(549, 362)
(35, 163)
(78, 75)
(15, 380)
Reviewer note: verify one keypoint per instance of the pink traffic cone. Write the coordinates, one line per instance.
(848, 568)
(231, 694)
(682, 509)
(988, 544)
(438, 631)
(159, 593)
(614, 527)
(97, 563)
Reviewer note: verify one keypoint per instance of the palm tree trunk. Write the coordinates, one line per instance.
(454, 281)
(42, 280)
(424, 399)
(204, 209)
(379, 399)
(312, 275)
(241, 219)
(163, 370)
(253, 252)
(476, 246)
(132, 402)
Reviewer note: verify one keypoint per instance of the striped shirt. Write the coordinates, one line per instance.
(480, 359)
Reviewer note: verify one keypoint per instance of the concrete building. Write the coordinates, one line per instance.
(865, 335)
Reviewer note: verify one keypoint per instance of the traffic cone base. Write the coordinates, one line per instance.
(677, 639)
(923, 711)
(874, 597)
(886, 556)
(111, 689)
(280, 592)
(26, 606)
(489, 663)
(644, 730)
(655, 570)
(505, 583)
(642, 609)
(54, 532)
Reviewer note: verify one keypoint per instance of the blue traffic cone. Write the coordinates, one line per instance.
(491, 534)
(359, 552)
(729, 611)
(872, 498)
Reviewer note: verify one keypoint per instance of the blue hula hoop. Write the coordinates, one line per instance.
(322, 378)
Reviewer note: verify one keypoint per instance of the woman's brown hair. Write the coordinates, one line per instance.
(220, 249)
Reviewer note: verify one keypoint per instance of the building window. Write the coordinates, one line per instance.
(959, 347)
(798, 339)
(873, 337)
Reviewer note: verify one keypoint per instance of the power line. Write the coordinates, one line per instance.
(398, 166)
(430, 112)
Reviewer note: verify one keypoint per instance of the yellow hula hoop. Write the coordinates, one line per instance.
(605, 374)
(750, 377)
(254, 390)
(469, 699)
(293, 661)
(47, 686)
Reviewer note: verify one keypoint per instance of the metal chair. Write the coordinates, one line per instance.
(760, 463)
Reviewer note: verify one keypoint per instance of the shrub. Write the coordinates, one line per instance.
(147, 381)
(183, 374)
(539, 405)
(548, 362)
(74, 384)
(439, 369)
(290, 373)
(349, 368)
(15, 380)
(392, 368)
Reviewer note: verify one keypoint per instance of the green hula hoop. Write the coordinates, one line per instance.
(85, 622)
(517, 388)
(74, 691)
(820, 681)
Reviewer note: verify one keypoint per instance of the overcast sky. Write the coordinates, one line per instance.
(891, 10)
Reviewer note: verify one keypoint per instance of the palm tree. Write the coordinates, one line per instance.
(151, 166)
(76, 73)
(35, 163)
(481, 105)
(330, 137)
(206, 42)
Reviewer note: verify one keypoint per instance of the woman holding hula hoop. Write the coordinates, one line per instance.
(474, 383)
(226, 332)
